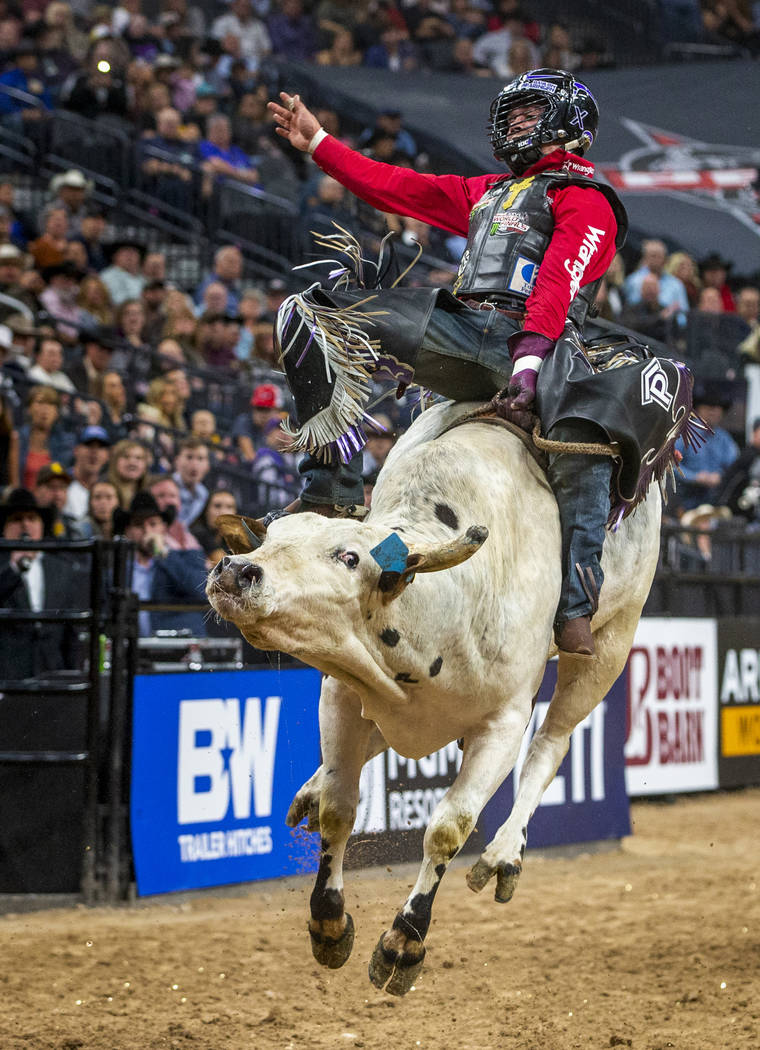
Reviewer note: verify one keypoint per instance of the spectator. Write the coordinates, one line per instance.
(104, 500)
(88, 373)
(220, 501)
(203, 426)
(463, 59)
(9, 442)
(714, 271)
(24, 337)
(275, 294)
(48, 365)
(160, 574)
(220, 158)
(703, 469)
(153, 296)
(740, 487)
(24, 74)
(163, 406)
(328, 209)
(167, 162)
(492, 49)
(92, 226)
(165, 492)
(251, 310)
(37, 580)
(191, 465)
(248, 428)
(380, 440)
(99, 89)
(12, 265)
(292, 33)
(49, 249)
(127, 469)
(169, 355)
(192, 19)
(130, 322)
(70, 191)
(181, 324)
(60, 300)
(672, 291)
(710, 301)
(390, 122)
(394, 51)
(558, 53)
(468, 20)
(228, 270)
(90, 458)
(95, 301)
(274, 468)
(242, 24)
(520, 57)
(123, 278)
(748, 308)
(50, 490)
(42, 439)
(206, 105)
(217, 338)
(214, 299)
(682, 266)
(115, 406)
(649, 316)
(341, 52)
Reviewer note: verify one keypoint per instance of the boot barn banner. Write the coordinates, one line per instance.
(672, 721)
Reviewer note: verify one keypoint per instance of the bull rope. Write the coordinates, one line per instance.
(584, 448)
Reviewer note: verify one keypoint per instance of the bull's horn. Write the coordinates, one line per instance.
(445, 555)
(431, 559)
(242, 535)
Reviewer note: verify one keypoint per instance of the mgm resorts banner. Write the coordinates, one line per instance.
(216, 760)
(672, 723)
(739, 697)
(586, 800)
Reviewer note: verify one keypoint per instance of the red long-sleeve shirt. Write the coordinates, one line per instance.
(582, 245)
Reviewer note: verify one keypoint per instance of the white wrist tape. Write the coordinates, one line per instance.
(316, 139)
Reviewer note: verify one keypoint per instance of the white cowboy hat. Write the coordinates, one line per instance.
(73, 177)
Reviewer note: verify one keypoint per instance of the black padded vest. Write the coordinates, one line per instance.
(510, 229)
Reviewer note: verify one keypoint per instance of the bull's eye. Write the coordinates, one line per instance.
(349, 558)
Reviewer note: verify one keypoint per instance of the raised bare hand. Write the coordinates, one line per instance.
(294, 121)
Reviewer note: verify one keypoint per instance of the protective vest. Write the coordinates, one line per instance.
(510, 229)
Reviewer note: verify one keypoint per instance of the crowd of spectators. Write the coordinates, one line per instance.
(131, 403)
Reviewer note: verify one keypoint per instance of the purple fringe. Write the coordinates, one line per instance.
(347, 445)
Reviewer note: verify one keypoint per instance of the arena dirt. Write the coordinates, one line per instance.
(655, 945)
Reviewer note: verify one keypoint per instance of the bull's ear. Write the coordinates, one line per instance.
(431, 559)
(242, 535)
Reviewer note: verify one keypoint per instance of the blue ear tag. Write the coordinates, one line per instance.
(391, 554)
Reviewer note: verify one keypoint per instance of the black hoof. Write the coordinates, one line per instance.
(333, 952)
(395, 972)
(506, 882)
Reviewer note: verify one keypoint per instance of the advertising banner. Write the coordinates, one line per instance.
(586, 800)
(739, 695)
(672, 724)
(216, 760)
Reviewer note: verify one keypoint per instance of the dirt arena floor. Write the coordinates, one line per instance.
(654, 945)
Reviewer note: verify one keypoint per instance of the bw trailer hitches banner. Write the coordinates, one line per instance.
(739, 701)
(672, 724)
(216, 761)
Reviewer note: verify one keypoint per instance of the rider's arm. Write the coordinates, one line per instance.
(440, 200)
(580, 251)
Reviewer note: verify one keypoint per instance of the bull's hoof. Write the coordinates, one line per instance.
(305, 805)
(333, 952)
(396, 971)
(506, 878)
(506, 882)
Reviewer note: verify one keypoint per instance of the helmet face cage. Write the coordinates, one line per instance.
(570, 117)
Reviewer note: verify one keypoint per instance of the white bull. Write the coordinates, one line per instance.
(414, 662)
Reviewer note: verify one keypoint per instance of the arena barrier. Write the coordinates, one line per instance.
(218, 756)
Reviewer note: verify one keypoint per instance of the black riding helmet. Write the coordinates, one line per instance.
(570, 117)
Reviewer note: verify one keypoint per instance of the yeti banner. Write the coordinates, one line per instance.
(216, 760)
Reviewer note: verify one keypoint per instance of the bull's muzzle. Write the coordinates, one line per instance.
(236, 574)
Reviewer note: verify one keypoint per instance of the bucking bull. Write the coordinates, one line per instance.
(448, 643)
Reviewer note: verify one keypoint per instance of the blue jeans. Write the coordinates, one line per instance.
(581, 486)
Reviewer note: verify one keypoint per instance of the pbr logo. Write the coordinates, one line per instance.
(722, 177)
(654, 386)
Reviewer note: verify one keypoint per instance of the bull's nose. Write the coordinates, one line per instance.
(250, 573)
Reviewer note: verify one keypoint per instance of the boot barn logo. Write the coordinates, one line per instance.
(671, 729)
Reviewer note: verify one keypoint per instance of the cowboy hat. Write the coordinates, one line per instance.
(74, 178)
(142, 506)
(21, 501)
